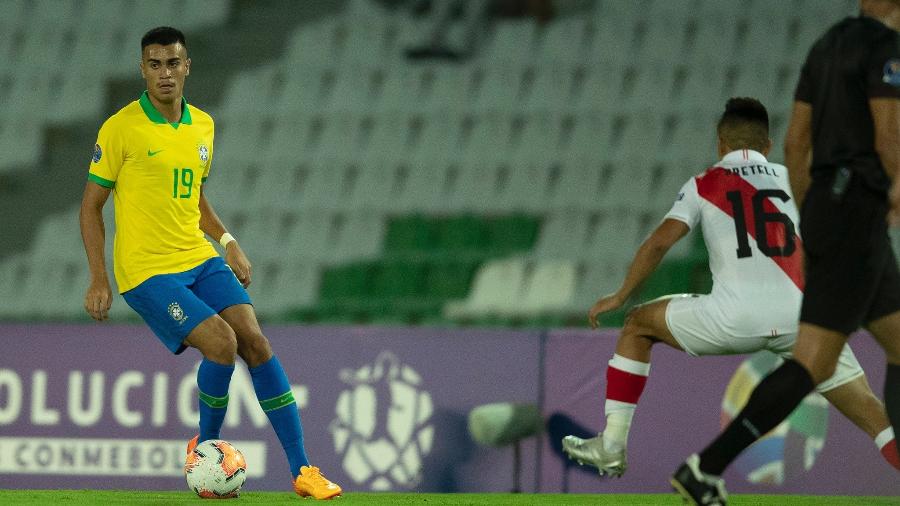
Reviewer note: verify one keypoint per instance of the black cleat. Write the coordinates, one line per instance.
(697, 487)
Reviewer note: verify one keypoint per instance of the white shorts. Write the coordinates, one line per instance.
(700, 333)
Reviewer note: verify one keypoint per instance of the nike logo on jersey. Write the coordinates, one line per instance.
(153, 153)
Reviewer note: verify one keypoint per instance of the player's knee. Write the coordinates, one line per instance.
(634, 322)
(219, 342)
(254, 348)
(820, 371)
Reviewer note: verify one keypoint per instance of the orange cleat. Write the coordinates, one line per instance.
(191, 460)
(311, 483)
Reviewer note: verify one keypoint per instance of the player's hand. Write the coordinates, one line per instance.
(237, 260)
(604, 304)
(98, 299)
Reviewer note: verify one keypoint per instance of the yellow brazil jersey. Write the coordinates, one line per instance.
(155, 169)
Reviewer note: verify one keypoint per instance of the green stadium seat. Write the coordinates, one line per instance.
(449, 279)
(396, 279)
(461, 234)
(409, 234)
(348, 282)
(511, 234)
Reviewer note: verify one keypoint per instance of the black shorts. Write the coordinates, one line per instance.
(851, 271)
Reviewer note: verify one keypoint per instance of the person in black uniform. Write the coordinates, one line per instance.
(843, 152)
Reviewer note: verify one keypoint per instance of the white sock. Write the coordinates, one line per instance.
(618, 423)
(884, 437)
(619, 414)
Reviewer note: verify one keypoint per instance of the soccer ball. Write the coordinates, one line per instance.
(215, 469)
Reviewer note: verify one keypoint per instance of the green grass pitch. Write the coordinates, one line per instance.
(113, 497)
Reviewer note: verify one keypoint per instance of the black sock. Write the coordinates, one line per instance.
(772, 401)
(892, 395)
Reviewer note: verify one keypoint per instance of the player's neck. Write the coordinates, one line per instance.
(170, 111)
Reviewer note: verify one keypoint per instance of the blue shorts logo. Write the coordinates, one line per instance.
(892, 72)
(98, 153)
(177, 313)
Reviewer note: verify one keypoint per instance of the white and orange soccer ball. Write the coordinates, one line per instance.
(215, 470)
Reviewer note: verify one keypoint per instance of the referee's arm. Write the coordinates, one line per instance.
(798, 149)
(886, 120)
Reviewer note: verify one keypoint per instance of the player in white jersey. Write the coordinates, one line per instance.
(746, 210)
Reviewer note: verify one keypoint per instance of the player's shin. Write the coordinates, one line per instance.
(212, 385)
(625, 381)
(277, 400)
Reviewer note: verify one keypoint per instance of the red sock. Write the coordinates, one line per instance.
(625, 379)
(890, 454)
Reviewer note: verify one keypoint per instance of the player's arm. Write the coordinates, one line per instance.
(212, 226)
(798, 149)
(98, 297)
(645, 261)
(886, 119)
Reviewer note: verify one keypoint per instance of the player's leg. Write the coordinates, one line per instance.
(629, 368)
(270, 383)
(180, 319)
(856, 401)
(273, 390)
(843, 266)
(218, 286)
(848, 390)
(887, 331)
(216, 342)
(777, 395)
(884, 323)
(626, 376)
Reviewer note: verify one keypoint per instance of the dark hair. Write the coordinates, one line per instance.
(744, 124)
(163, 35)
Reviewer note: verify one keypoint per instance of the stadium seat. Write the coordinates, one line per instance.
(393, 280)
(597, 277)
(612, 235)
(550, 288)
(495, 290)
(562, 141)
(513, 42)
(356, 237)
(567, 40)
(511, 234)
(409, 235)
(562, 235)
(449, 278)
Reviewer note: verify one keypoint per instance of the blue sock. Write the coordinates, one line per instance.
(212, 382)
(275, 397)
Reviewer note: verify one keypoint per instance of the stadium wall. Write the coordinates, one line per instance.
(104, 406)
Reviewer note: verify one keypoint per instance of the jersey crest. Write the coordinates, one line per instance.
(98, 153)
(177, 313)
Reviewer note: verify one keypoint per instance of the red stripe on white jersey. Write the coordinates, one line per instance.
(713, 186)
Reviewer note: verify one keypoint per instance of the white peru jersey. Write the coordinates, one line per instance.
(750, 225)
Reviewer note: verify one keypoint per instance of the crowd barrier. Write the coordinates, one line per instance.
(107, 406)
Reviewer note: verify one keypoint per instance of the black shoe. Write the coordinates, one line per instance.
(697, 487)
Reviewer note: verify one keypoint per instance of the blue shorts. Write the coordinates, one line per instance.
(173, 304)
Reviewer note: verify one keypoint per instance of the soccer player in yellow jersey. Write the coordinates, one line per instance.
(154, 156)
